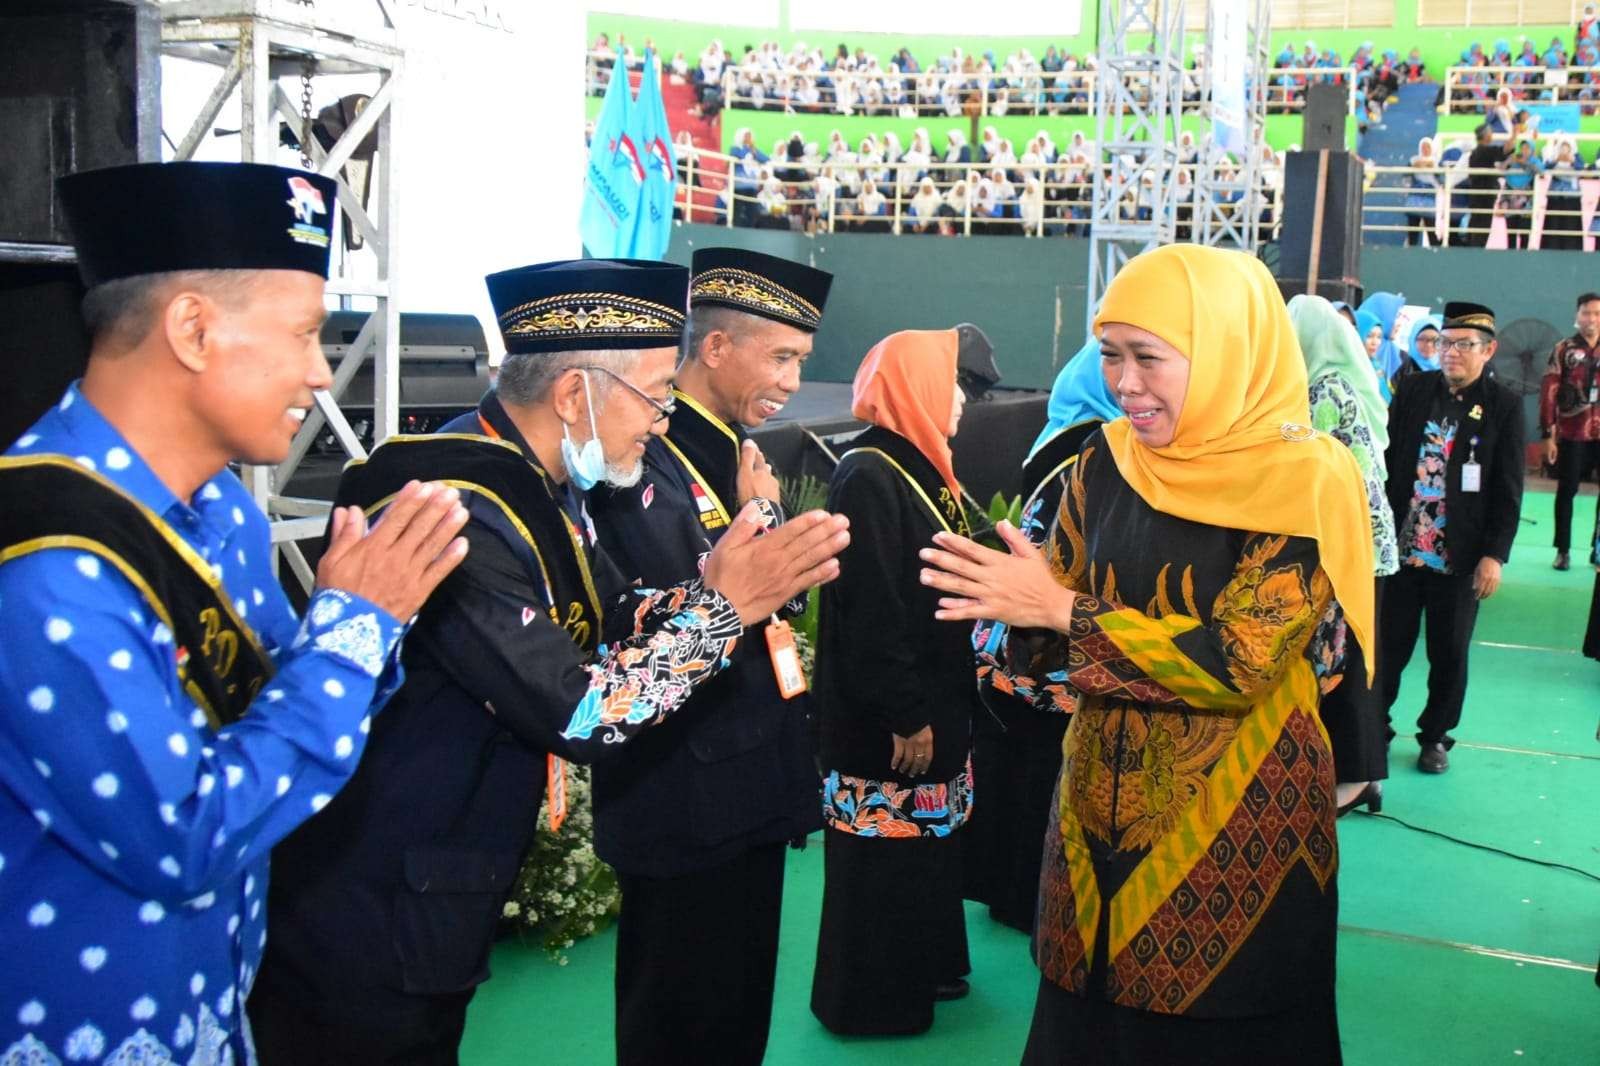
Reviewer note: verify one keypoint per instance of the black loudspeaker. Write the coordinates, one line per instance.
(1327, 107)
(80, 88)
(1313, 254)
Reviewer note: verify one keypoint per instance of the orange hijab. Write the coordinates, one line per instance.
(1244, 456)
(907, 383)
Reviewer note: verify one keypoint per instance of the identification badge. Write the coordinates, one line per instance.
(1594, 393)
(555, 790)
(785, 659)
(1471, 477)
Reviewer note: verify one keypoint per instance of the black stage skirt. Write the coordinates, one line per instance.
(1354, 716)
(1014, 771)
(1069, 1029)
(893, 928)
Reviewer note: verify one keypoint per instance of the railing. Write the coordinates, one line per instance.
(1438, 206)
(955, 94)
(1473, 90)
(834, 197)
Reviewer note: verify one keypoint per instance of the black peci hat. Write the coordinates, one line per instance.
(757, 284)
(589, 304)
(1461, 315)
(156, 218)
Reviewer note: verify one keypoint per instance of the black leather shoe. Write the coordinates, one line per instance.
(948, 990)
(1371, 797)
(1562, 562)
(1434, 759)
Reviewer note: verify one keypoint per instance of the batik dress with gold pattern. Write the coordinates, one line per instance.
(1190, 868)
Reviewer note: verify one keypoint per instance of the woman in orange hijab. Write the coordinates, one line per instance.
(1187, 904)
(894, 689)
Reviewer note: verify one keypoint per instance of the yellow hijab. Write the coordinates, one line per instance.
(1244, 456)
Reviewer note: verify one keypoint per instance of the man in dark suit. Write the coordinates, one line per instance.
(1455, 465)
(696, 821)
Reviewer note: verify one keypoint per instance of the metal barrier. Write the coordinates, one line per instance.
(846, 195)
(1474, 90)
(1445, 206)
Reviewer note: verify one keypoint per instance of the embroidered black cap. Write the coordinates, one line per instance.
(1461, 315)
(583, 304)
(155, 218)
(758, 284)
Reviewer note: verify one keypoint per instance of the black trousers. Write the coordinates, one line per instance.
(1354, 715)
(1451, 609)
(427, 1032)
(1591, 638)
(696, 960)
(1576, 462)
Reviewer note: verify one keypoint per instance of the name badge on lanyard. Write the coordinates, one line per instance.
(1471, 472)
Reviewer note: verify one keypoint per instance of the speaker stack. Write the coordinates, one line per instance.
(79, 89)
(1320, 243)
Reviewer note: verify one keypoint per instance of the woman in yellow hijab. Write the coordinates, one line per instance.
(1187, 904)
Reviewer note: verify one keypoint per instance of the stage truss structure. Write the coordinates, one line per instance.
(1227, 211)
(1138, 104)
(254, 43)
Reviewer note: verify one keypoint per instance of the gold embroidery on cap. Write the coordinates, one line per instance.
(590, 312)
(741, 286)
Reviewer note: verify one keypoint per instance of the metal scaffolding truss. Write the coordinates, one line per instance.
(1138, 102)
(1227, 211)
(254, 43)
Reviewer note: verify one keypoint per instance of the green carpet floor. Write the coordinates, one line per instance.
(1446, 955)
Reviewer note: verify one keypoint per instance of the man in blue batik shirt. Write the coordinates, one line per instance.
(164, 717)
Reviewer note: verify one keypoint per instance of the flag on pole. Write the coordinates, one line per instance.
(615, 176)
(652, 136)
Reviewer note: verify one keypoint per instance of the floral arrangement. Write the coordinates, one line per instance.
(564, 892)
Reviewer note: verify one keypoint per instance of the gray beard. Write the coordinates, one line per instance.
(618, 478)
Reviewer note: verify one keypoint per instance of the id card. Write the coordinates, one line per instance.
(1594, 393)
(1471, 477)
(555, 790)
(785, 659)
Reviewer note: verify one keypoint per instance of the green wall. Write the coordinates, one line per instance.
(1441, 47)
(1029, 295)
(770, 126)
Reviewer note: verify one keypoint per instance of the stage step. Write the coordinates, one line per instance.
(1392, 143)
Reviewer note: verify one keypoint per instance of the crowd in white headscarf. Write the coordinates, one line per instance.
(881, 184)
(804, 78)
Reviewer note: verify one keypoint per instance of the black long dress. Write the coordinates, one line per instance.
(1016, 747)
(893, 927)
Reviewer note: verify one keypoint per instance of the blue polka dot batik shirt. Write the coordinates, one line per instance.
(133, 836)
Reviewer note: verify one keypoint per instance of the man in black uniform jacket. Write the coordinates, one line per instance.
(696, 817)
(1455, 464)
(384, 905)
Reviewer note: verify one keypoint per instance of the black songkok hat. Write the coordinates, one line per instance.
(976, 371)
(155, 218)
(589, 304)
(1461, 315)
(779, 289)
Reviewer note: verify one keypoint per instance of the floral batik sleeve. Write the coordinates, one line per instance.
(1000, 667)
(495, 634)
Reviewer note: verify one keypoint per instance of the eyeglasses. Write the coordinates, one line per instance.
(663, 410)
(1465, 344)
